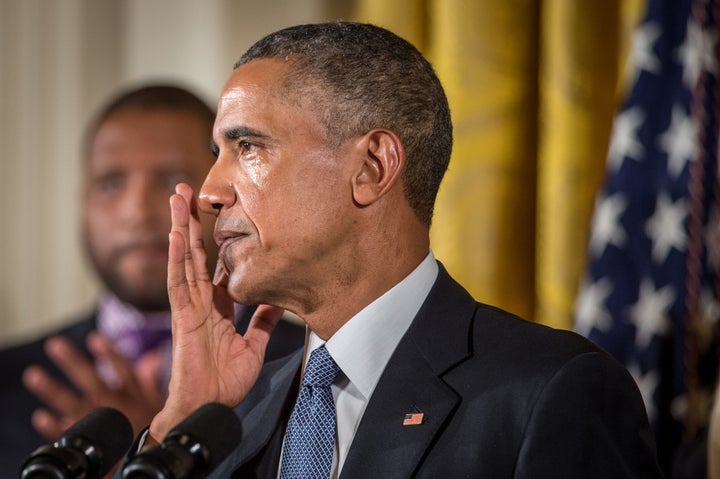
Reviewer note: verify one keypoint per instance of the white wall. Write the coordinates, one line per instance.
(59, 60)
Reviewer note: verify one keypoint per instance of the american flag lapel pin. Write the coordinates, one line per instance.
(413, 419)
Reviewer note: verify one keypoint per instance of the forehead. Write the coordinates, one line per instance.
(150, 138)
(257, 95)
(261, 79)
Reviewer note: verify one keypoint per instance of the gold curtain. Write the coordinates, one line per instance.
(532, 85)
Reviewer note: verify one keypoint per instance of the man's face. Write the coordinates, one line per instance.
(283, 195)
(136, 159)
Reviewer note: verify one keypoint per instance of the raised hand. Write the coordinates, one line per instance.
(211, 362)
(135, 392)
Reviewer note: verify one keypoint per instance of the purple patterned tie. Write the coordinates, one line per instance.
(133, 333)
(136, 342)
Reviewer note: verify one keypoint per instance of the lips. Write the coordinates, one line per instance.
(229, 230)
(225, 239)
(224, 236)
(227, 233)
(224, 265)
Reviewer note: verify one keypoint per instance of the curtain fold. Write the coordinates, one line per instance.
(580, 44)
(532, 86)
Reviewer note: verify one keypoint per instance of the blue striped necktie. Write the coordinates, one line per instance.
(310, 436)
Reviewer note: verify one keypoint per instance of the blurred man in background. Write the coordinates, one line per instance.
(137, 149)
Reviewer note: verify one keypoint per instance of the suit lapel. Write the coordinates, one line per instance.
(413, 383)
(383, 446)
(266, 412)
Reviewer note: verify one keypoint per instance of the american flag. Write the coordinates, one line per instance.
(650, 294)
(413, 419)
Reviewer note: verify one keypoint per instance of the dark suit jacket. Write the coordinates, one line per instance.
(17, 436)
(501, 397)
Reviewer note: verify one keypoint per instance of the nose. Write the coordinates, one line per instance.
(217, 191)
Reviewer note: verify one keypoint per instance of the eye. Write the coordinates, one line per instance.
(245, 146)
(110, 183)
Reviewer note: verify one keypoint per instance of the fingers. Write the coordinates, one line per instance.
(187, 259)
(76, 366)
(196, 244)
(101, 348)
(48, 426)
(147, 371)
(58, 397)
(185, 217)
(61, 399)
(134, 396)
(178, 291)
(180, 217)
(261, 326)
(223, 303)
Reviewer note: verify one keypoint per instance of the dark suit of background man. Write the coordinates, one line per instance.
(331, 142)
(139, 146)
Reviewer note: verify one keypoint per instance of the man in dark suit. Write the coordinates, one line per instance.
(331, 142)
(140, 145)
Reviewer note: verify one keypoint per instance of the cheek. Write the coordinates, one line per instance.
(256, 173)
(96, 238)
(159, 203)
(301, 222)
(290, 207)
(96, 221)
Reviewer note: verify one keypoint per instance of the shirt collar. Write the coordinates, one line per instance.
(362, 347)
(116, 317)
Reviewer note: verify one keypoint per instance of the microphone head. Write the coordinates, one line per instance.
(89, 448)
(191, 449)
(215, 427)
(106, 429)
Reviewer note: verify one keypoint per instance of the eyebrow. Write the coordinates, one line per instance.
(241, 132)
(235, 133)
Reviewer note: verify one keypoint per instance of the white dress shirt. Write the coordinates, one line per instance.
(362, 348)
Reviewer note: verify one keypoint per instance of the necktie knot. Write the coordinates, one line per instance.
(136, 342)
(321, 369)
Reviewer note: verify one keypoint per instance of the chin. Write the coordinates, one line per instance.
(147, 302)
(241, 290)
(240, 295)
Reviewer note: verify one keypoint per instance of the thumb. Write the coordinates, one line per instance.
(261, 326)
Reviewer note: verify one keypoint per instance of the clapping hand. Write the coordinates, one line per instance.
(135, 392)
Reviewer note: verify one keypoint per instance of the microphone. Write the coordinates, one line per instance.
(87, 450)
(192, 449)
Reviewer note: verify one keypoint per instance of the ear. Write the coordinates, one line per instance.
(383, 162)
